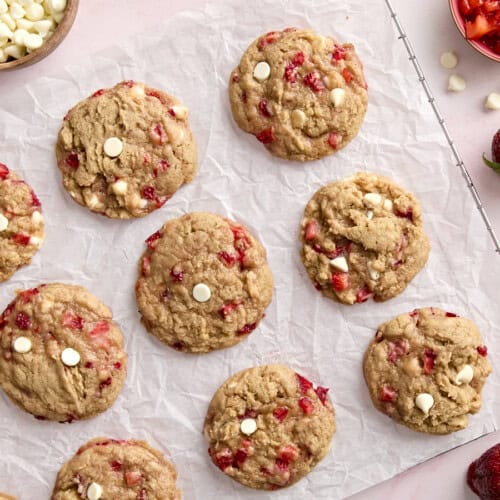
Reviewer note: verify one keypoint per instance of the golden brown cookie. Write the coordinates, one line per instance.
(303, 95)
(124, 151)
(61, 354)
(203, 283)
(112, 469)
(426, 369)
(268, 427)
(21, 223)
(363, 238)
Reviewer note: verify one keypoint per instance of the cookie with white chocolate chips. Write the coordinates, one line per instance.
(363, 237)
(117, 469)
(426, 369)
(61, 354)
(303, 95)
(21, 223)
(203, 284)
(124, 151)
(268, 427)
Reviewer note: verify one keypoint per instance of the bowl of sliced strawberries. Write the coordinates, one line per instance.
(479, 23)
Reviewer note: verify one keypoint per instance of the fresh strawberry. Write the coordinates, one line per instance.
(72, 320)
(397, 349)
(481, 26)
(483, 475)
(340, 281)
(495, 153)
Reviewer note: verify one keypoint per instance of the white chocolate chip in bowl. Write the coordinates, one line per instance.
(94, 491)
(22, 345)
(465, 375)
(262, 71)
(248, 426)
(340, 263)
(424, 402)
(70, 357)
(113, 147)
(33, 41)
(337, 97)
(34, 12)
(4, 222)
(201, 292)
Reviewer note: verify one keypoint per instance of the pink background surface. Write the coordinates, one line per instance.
(431, 30)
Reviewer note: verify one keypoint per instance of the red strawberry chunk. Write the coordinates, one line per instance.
(228, 309)
(72, 320)
(240, 457)
(248, 328)
(34, 200)
(338, 54)
(236, 78)
(105, 383)
(314, 82)
(451, 315)
(347, 75)
(482, 350)
(4, 171)
(280, 413)
(405, 214)
(149, 192)
(397, 349)
(146, 264)
(151, 241)
(266, 136)
(298, 59)
(133, 478)
(312, 230)
(142, 495)
(128, 83)
(26, 295)
(483, 475)
(157, 95)
(263, 108)
(116, 465)
(281, 465)
(223, 459)
(171, 112)
(322, 392)
(89, 364)
(340, 281)
(387, 394)
(177, 274)
(363, 294)
(21, 239)
(23, 321)
(304, 384)
(157, 134)
(306, 405)
(72, 160)
(117, 365)
(429, 359)
(334, 139)
(164, 165)
(288, 453)
(267, 39)
(227, 258)
(100, 328)
(98, 93)
(290, 74)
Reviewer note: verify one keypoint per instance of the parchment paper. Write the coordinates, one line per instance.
(166, 394)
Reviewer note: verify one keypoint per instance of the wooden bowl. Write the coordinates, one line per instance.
(57, 37)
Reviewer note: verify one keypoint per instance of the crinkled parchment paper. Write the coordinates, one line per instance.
(166, 394)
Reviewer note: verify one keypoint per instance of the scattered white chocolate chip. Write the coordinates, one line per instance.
(113, 147)
(201, 292)
(465, 375)
(119, 187)
(36, 217)
(94, 491)
(35, 241)
(456, 83)
(261, 71)
(337, 97)
(70, 357)
(373, 273)
(425, 402)
(340, 263)
(369, 215)
(4, 222)
(492, 101)
(298, 118)
(248, 426)
(22, 345)
(180, 112)
(388, 204)
(373, 198)
(448, 60)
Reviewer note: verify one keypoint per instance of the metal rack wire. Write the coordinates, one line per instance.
(459, 162)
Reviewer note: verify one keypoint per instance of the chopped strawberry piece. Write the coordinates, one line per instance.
(177, 274)
(89, 364)
(347, 75)
(429, 358)
(314, 82)
(72, 160)
(387, 394)
(21, 239)
(128, 83)
(100, 328)
(312, 230)
(227, 258)
(304, 384)
(340, 281)
(34, 200)
(306, 405)
(117, 365)
(338, 54)
(105, 383)
(164, 165)
(157, 134)
(249, 413)
(267, 39)
(165, 295)
(280, 413)
(482, 350)
(240, 457)
(235, 78)
(363, 294)
(263, 108)
(4, 171)
(266, 136)
(143, 494)
(151, 241)
(281, 465)
(155, 94)
(414, 314)
(26, 295)
(288, 453)
(223, 459)
(451, 315)
(171, 112)
(397, 349)
(298, 59)
(248, 328)
(322, 392)
(72, 320)
(406, 214)
(98, 93)
(146, 264)
(334, 139)
(290, 74)
(116, 465)
(149, 192)
(479, 27)
(228, 308)
(133, 478)
(23, 321)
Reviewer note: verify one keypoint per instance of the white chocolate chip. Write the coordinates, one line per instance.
(143, 203)
(7, 19)
(35, 241)
(388, 205)
(373, 198)
(373, 273)
(70, 357)
(3, 55)
(369, 215)
(16, 11)
(180, 112)
(465, 375)
(298, 118)
(94, 491)
(5, 31)
(340, 263)
(24, 24)
(137, 90)
(18, 36)
(119, 187)
(15, 51)
(456, 83)
(261, 71)
(55, 5)
(43, 26)
(33, 41)
(4, 222)
(113, 147)
(425, 402)
(34, 12)
(93, 201)
(22, 345)
(492, 101)
(58, 16)
(448, 60)
(337, 97)
(3, 7)
(36, 217)
(248, 426)
(201, 292)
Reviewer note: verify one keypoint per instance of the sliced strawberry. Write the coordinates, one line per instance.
(304, 384)
(429, 358)
(21, 239)
(149, 192)
(240, 457)
(306, 405)
(340, 281)
(133, 478)
(223, 459)
(280, 413)
(290, 74)
(387, 394)
(334, 139)
(312, 230)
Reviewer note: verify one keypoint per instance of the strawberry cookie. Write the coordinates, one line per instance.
(363, 238)
(203, 284)
(426, 370)
(21, 223)
(268, 427)
(61, 355)
(301, 94)
(107, 468)
(124, 151)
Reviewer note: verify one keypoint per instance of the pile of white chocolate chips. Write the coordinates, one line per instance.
(25, 25)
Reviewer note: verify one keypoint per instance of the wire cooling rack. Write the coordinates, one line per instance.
(432, 101)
